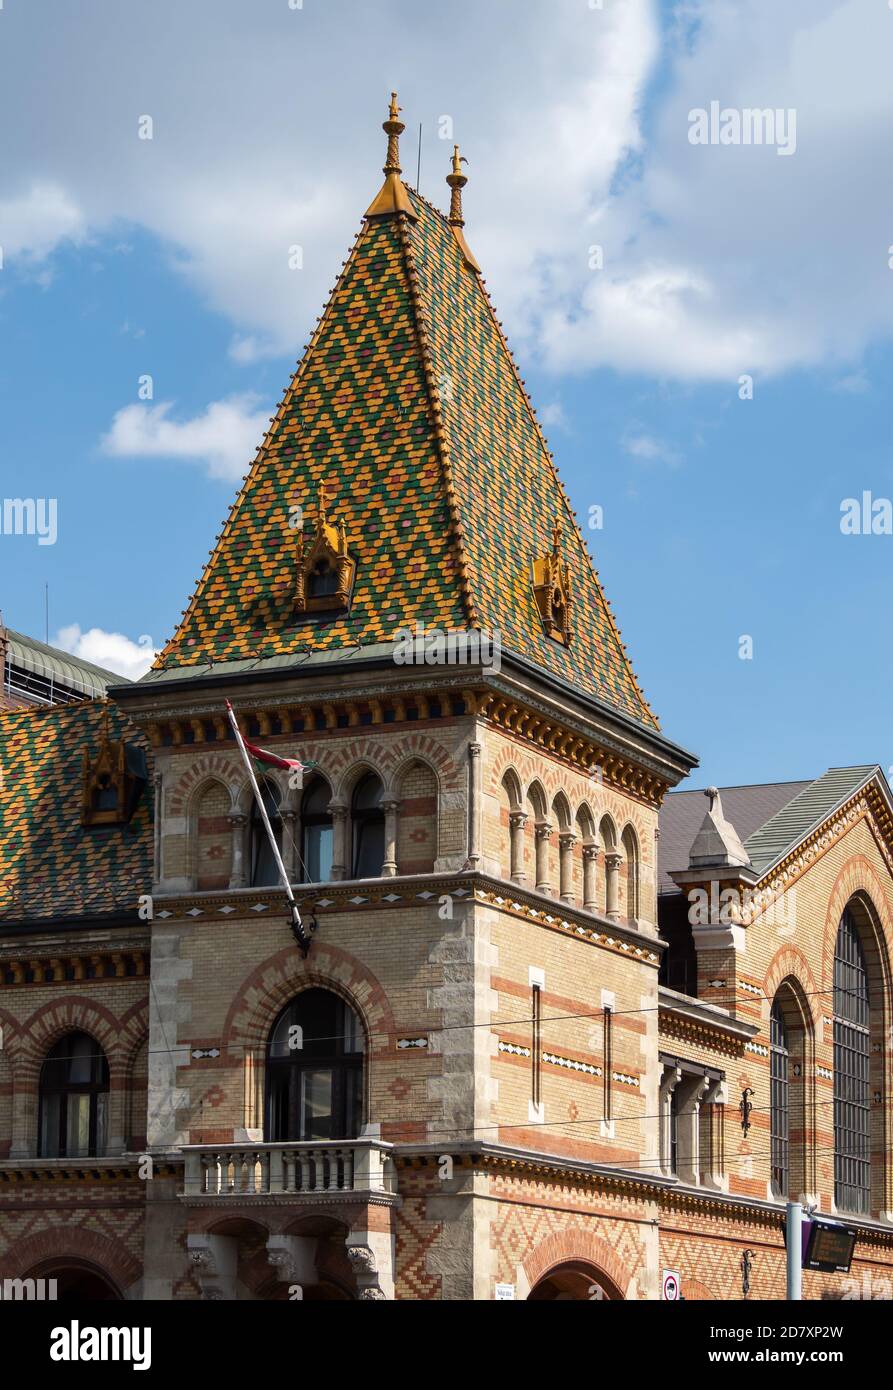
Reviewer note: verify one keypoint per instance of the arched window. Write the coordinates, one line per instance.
(264, 870)
(105, 797)
(852, 1096)
(630, 846)
(316, 831)
(779, 1100)
(74, 1090)
(322, 580)
(367, 818)
(315, 1070)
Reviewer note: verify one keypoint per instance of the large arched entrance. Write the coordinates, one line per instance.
(77, 1282)
(575, 1281)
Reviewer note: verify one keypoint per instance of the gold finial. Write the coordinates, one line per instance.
(457, 181)
(393, 128)
(393, 196)
(556, 537)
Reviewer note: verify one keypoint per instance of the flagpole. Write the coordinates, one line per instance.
(296, 916)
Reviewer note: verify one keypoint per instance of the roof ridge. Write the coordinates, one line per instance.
(746, 786)
(865, 770)
(575, 527)
(443, 448)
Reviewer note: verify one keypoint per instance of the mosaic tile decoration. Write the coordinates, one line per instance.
(51, 865)
(407, 407)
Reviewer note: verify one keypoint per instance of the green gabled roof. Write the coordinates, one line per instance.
(805, 813)
(50, 864)
(408, 407)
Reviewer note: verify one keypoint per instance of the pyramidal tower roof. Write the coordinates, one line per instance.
(407, 429)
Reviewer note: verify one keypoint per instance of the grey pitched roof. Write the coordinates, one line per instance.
(748, 808)
(39, 670)
(814, 804)
(770, 818)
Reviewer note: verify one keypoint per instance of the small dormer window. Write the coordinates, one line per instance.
(114, 774)
(325, 567)
(552, 591)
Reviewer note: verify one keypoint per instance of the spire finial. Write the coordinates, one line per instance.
(457, 181)
(393, 128)
(392, 197)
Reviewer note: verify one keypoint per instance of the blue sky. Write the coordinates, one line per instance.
(721, 516)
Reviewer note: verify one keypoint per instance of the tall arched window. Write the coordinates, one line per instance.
(315, 1070)
(779, 1100)
(264, 870)
(74, 1092)
(367, 819)
(852, 1095)
(316, 833)
(630, 846)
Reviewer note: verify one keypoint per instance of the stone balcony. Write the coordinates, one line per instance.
(357, 1168)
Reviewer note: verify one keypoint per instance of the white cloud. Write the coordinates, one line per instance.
(111, 650)
(552, 416)
(725, 260)
(34, 223)
(717, 260)
(649, 449)
(225, 437)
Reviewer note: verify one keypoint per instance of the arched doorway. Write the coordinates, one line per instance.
(78, 1282)
(576, 1281)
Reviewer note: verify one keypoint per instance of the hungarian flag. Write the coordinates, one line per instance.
(263, 755)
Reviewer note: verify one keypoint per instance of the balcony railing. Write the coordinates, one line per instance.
(314, 1169)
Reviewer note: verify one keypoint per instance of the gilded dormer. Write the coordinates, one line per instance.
(112, 779)
(552, 590)
(325, 567)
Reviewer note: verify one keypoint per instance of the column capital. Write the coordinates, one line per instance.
(543, 830)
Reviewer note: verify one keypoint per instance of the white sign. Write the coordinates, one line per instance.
(505, 1291)
(672, 1285)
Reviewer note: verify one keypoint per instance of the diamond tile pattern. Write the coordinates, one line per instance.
(51, 865)
(445, 508)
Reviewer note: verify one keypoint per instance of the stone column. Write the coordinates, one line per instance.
(566, 841)
(158, 869)
(613, 860)
(237, 875)
(688, 1165)
(668, 1083)
(517, 822)
(389, 867)
(253, 1067)
(474, 805)
(340, 847)
(543, 836)
(590, 877)
(291, 855)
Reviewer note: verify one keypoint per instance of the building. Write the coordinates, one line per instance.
(520, 1056)
(36, 674)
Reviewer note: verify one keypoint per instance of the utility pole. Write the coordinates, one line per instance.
(794, 1242)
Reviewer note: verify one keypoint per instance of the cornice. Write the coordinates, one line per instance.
(388, 894)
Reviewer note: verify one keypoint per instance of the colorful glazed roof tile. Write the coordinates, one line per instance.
(408, 409)
(50, 864)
